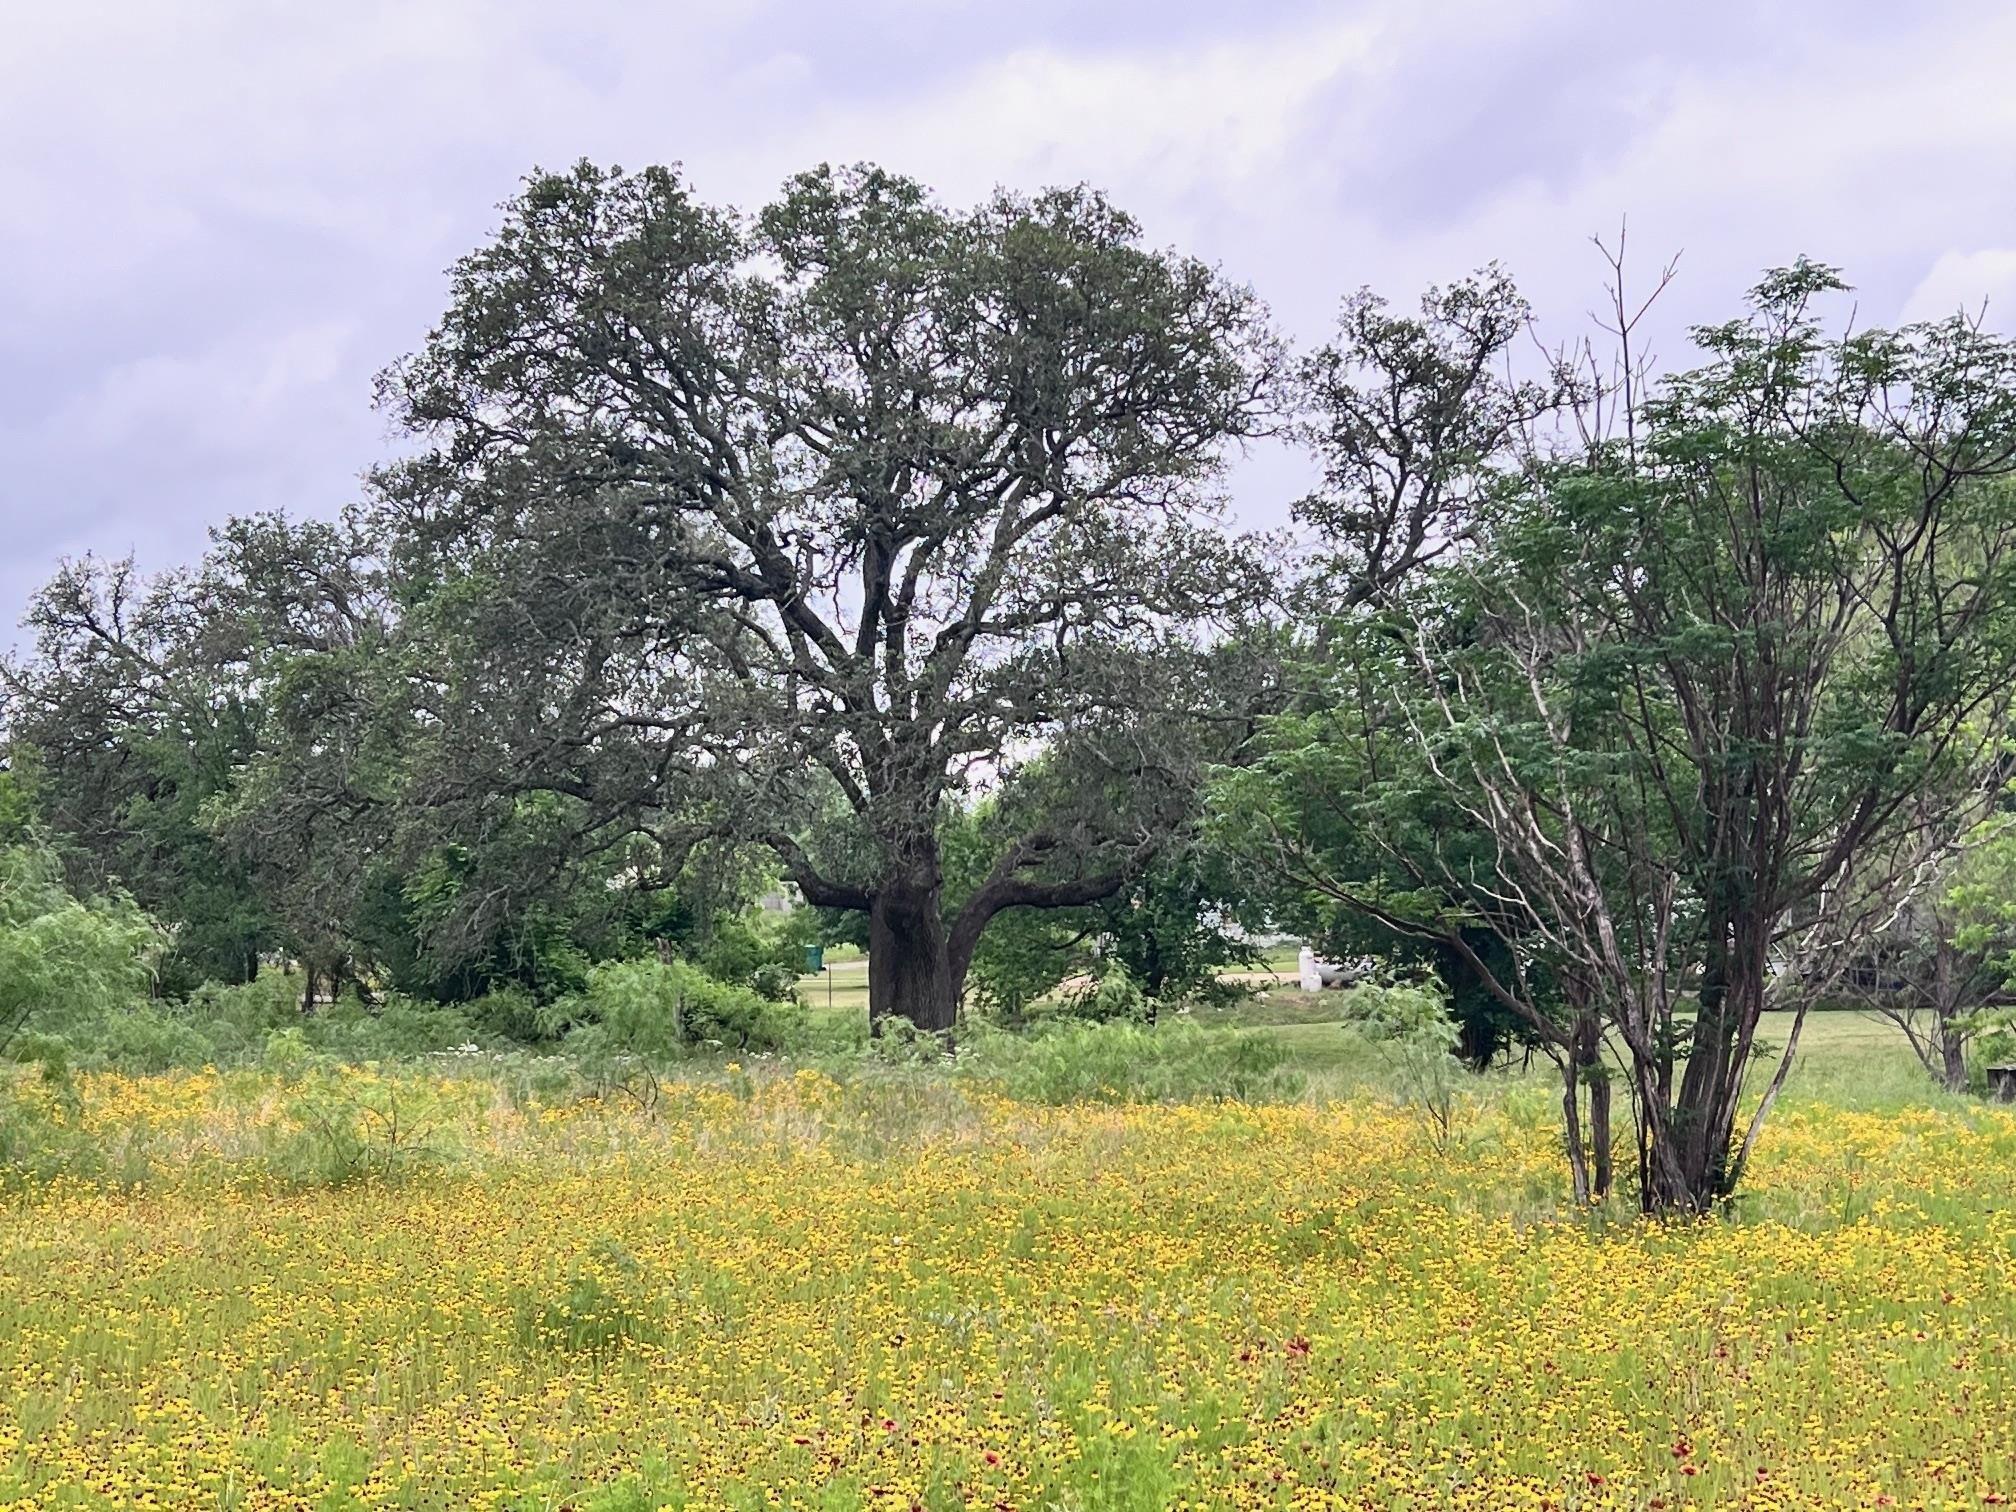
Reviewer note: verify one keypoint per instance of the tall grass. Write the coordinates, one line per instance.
(907, 1287)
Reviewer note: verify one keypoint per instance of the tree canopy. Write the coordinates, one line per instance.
(795, 528)
(1707, 700)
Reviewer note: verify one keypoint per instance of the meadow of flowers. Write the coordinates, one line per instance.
(784, 1290)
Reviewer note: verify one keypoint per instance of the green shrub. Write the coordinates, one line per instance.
(657, 1010)
(397, 1029)
(775, 982)
(508, 1011)
(336, 1127)
(1992, 1043)
(146, 1037)
(217, 1024)
(235, 1025)
(269, 1001)
(1023, 956)
(1077, 1060)
(763, 952)
(1411, 1024)
(63, 959)
(1114, 997)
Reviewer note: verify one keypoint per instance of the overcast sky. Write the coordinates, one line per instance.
(220, 219)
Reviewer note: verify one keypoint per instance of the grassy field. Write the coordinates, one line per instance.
(1849, 1059)
(892, 1288)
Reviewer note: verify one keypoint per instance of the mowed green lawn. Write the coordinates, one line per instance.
(1846, 1058)
(841, 988)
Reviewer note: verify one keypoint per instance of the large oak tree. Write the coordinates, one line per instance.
(793, 529)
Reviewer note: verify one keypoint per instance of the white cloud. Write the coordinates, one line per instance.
(1973, 282)
(225, 399)
(222, 217)
(1156, 120)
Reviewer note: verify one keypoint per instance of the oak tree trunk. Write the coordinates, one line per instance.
(910, 970)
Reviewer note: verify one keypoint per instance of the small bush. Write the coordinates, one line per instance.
(340, 1126)
(1070, 1060)
(1113, 998)
(247, 1011)
(397, 1029)
(760, 951)
(775, 981)
(508, 1012)
(215, 1025)
(658, 1010)
(65, 959)
(287, 1053)
(1410, 1023)
(145, 1037)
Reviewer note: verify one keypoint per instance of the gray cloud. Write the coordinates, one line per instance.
(219, 220)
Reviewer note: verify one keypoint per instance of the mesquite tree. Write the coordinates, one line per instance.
(793, 529)
(1378, 797)
(1709, 703)
(1801, 583)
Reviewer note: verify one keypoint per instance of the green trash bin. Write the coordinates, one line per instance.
(815, 959)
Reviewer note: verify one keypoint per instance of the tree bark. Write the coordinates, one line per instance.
(1946, 993)
(1662, 1183)
(1571, 1128)
(1582, 1066)
(910, 969)
(1599, 1131)
(917, 962)
(1952, 1057)
(1693, 1117)
(1703, 1116)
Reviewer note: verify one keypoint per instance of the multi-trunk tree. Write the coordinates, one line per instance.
(1708, 703)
